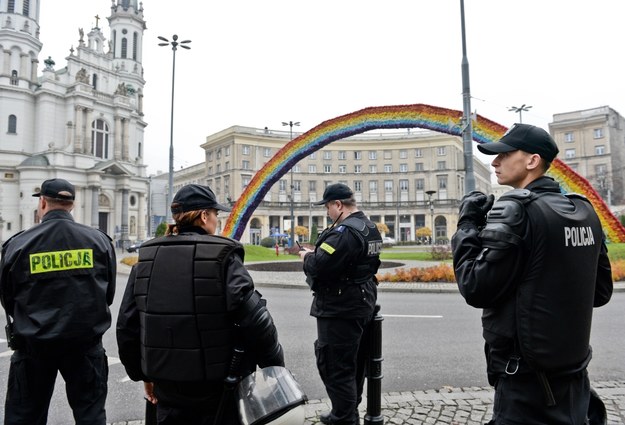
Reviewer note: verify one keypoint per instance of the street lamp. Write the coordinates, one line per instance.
(291, 239)
(467, 123)
(430, 193)
(520, 110)
(174, 46)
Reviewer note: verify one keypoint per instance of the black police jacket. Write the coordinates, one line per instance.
(341, 270)
(57, 281)
(537, 274)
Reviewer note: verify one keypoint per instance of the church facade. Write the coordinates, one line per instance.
(82, 121)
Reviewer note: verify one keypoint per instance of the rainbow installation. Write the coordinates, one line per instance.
(392, 117)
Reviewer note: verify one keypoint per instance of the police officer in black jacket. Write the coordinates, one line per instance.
(57, 281)
(341, 272)
(176, 326)
(537, 264)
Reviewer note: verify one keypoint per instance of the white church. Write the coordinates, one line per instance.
(82, 121)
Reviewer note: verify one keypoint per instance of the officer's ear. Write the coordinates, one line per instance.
(534, 161)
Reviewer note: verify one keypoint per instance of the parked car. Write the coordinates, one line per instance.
(388, 240)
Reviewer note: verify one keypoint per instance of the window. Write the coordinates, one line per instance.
(135, 42)
(282, 185)
(569, 153)
(12, 124)
(312, 168)
(357, 168)
(312, 186)
(600, 150)
(227, 166)
(327, 154)
(418, 166)
(403, 154)
(419, 184)
(25, 7)
(218, 168)
(11, 8)
(94, 81)
(403, 185)
(357, 155)
(373, 168)
(245, 180)
(388, 168)
(267, 152)
(441, 165)
(388, 185)
(312, 155)
(297, 168)
(597, 133)
(245, 165)
(342, 155)
(209, 155)
(357, 186)
(100, 139)
(373, 155)
(245, 150)
(14, 79)
(219, 153)
(342, 169)
(327, 168)
(601, 169)
(227, 150)
(124, 47)
(297, 185)
(373, 186)
(442, 182)
(568, 137)
(403, 168)
(388, 154)
(441, 151)
(418, 153)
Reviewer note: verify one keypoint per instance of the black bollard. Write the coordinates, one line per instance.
(374, 372)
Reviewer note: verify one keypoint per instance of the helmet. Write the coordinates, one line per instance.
(271, 396)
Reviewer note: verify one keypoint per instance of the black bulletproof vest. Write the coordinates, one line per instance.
(179, 291)
(368, 262)
(555, 298)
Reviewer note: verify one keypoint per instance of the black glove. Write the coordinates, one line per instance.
(473, 208)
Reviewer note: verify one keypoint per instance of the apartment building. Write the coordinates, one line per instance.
(391, 174)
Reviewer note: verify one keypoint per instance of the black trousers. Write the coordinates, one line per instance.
(520, 400)
(341, 352)
(32, 375)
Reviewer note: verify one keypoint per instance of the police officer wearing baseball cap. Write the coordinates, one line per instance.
(537, 264)
(341, 272)
(57, 281)
(197, 285)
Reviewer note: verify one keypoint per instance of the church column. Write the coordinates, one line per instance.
(124, 235)
(117, 139)
(95, 203)
(24, 65)
(87, 135)
(78, 130)
(125, 131)
(33, 70)
(141, 230)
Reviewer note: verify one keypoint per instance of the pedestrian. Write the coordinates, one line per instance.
(277, 249)
(57, 281)
(537, 264)
(189, 299)
(341, 273)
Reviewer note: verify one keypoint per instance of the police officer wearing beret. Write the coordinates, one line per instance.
(176, 325)
(341, 272)
(57, 281)
(537, 264)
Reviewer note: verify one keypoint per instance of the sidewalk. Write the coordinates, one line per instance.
(447, 406)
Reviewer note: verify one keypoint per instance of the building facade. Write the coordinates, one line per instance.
(82, 121)
(592, 143)
(391, 174)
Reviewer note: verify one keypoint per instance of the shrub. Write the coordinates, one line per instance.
(440, 273)
(440, 252)
(268, 242)
(618, 270)
(130, 261)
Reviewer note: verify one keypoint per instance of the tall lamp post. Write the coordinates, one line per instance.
(430, 193)
(292, 238)
(467, 123)
(520, 110)
(174, 46)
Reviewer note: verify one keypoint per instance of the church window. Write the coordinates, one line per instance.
(26, 7)
(12, 124)
(100, 139)
(94, 78)
(124, 47)
(14, 80)
(11, 8)
(135, 41)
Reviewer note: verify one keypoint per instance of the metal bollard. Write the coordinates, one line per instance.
(374, 372)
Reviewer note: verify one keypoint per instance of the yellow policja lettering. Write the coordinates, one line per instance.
(44, 262)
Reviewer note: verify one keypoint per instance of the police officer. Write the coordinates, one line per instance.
(537, 265)
(57, 281)
(341, 272)
(176, 325)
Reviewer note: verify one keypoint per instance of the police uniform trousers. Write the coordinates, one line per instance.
(341, 351)
(520, 400)
(32, 375)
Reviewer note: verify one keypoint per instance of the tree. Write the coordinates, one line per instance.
(382, 228)
(160, 229)
(315, 233)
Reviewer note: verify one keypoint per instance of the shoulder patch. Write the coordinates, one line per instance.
(340, 229)
(327, 248)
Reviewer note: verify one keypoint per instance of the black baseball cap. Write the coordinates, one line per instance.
(195, 197)
(336, 191)
(524, 137)
(57, 189)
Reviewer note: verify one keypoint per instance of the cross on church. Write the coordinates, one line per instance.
(97, 18)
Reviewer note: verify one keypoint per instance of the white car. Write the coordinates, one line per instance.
(388, 240)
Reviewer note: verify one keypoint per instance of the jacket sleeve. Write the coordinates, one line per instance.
(112, 278)
(328, 260)
(129, 331)
(604, 285)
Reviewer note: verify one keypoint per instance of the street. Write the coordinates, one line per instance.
(429, 341)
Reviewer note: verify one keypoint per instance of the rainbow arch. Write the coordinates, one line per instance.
(387, 117)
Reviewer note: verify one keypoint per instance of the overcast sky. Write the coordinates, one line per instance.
(258, 63)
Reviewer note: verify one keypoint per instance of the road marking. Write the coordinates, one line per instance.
(125, 379)
(113, 360)
(414, 316)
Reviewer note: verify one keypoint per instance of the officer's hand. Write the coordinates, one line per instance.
(473, 208)
(149, 392)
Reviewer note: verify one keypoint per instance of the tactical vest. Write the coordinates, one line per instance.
(367, 263)
(180, 294)
(555, 296)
